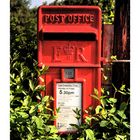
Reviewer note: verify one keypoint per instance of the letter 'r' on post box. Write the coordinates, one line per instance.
(69, 42)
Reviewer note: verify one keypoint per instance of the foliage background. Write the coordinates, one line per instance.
(30, 119)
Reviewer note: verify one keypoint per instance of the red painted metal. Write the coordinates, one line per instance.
(70, 37)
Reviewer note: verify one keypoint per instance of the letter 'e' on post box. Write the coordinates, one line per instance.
(69, 42)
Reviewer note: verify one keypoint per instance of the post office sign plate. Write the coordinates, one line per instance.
(68, 98)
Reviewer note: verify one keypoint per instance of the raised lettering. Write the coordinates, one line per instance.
(92, 18)
(80, 19)
(69, 53)
(57, 19)
(46, 18)
(57, 51)
(68, 19)
(62, 19)
(75, 20)
(79, 55)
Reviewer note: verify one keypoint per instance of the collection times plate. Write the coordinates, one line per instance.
(68, 98)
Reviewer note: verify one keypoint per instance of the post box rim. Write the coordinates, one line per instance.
(71, 6)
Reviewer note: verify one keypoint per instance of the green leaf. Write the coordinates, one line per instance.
(53, 129)
(40, 107)
(120, 137)
(122, 92)
(113, 122)
(126, 124)
(44, 69)
(24, 92)
(29, 128)
(45, 99)
(11, 98)
(121, 114)
(88, 120)
(104, 113)
(122, 88)
(32, 110)
(39, 123)
(23, 114)
(114, 57)
(26, 101)
(21, 74)
(39, 88)
(98, 109)
(123, 106)
(86, 111)
(102, 90)
(104, 135)
(116, 119)
(96, 92)
(82, 138)
(112, 110)
(31, 85)
(104, 123)
(39, 97)
(95, 118)
(103, 102)
(95, 97)
(17, 39)
(113, 100)
(105, 77)
(75, 126)
(90, 134)
(30, 136)
(58, 110)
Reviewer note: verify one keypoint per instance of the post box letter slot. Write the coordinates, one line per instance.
(68, 36)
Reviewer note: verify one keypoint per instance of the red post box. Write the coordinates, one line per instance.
(69, 42)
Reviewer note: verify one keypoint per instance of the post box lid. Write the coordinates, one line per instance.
(72, 19)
